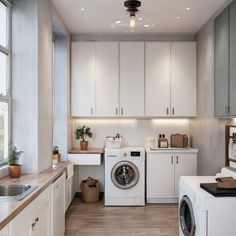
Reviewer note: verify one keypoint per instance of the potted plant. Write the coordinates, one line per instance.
(82, 133)
(13, 161)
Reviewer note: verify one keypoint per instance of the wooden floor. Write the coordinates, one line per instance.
(94, 219)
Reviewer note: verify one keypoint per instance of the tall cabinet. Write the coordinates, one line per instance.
(107, 79)
(183, 79)
(157, 79)
(132, 79)
(225, 60)
(83, 78)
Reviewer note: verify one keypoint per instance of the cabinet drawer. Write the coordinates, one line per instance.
(85, 159)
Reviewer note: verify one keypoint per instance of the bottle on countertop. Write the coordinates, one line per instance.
(163, 141)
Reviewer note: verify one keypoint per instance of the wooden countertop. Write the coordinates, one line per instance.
(89, 151)
(9, 210)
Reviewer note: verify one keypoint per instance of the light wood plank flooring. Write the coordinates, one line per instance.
(94, 219)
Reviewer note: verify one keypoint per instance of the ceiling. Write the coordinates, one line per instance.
(165, 16)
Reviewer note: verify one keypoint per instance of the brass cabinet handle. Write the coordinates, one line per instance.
(227, 109)
(36, 220)
(177, 159)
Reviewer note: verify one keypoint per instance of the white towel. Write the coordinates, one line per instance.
(69, 171)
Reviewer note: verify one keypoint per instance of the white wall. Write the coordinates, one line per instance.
(32, 83)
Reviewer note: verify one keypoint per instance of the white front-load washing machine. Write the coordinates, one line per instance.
(125, 176)
(202, 214)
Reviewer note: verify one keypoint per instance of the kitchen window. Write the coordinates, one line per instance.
(5, 94)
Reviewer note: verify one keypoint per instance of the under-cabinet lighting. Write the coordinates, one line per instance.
(170, 122)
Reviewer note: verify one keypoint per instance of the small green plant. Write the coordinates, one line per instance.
(83, 132)
(14, 155)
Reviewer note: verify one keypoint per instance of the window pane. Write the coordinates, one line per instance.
(3, 24)
(3, 74)
(3, 130)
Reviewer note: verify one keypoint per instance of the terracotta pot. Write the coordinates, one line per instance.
(15, 171)
(84, 145)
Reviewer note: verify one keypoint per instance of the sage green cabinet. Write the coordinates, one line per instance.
(222, 64)
(232, 52)
(225, 63)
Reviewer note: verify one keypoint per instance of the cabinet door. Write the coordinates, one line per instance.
(183, 79)
(132, 79)
(4, 231)
(185, 165)
(82, 79)
(59, 206)
(157, 79)
(40, 225)
(107, 81)
(232, 88)
(160, 176)
(222, 64)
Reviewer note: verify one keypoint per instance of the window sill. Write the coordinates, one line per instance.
(4, 171)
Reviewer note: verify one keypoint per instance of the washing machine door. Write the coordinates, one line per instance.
(186, 216)
(124, 175)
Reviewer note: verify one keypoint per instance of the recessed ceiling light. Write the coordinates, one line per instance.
(82, 9)
(118, 22)
(178, 17)
(140, 18)
(188, 8)
(146, 26)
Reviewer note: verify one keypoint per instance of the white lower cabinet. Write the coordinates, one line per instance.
(58, 206)
(163, 173)
(35, 219)
(4, 231)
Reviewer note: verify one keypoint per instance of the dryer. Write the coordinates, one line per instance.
(202, 214)
(125, 176)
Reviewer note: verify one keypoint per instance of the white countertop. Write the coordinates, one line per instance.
(172, 150)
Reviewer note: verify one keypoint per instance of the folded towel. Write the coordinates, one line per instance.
(69, 171)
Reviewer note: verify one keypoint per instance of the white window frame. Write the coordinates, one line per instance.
(7, 98)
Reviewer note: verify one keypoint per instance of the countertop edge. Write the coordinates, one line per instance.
(31, 197)
(173, 150)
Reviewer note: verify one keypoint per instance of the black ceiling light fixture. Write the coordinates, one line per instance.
(132, 9)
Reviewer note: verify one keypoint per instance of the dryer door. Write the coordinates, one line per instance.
(186, 217)
(124, 175)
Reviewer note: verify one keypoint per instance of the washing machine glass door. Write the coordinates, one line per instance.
(124, 175)
(186, 217)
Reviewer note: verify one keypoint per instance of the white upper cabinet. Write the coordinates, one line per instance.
(83, 79)
(107, 79)
(183, 79)
(132, 79)
(157, 84)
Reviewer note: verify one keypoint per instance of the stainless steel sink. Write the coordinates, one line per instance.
(15, 192)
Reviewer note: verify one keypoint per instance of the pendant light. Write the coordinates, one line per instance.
(132, 9)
